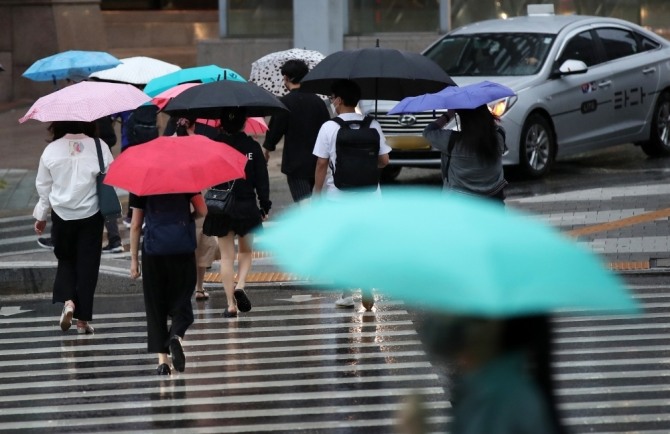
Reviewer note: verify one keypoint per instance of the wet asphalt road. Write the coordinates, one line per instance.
(295, 363)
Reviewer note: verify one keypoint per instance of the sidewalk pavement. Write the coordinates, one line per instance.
(627, 225)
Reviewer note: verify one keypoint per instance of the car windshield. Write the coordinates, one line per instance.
(492, 54)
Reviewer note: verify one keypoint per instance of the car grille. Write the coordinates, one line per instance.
(391, 126)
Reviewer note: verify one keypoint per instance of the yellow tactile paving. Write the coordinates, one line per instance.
(603, 227)
(258, 277)
(618, 224)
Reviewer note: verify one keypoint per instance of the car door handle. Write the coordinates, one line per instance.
(605, 83)
(649, 70)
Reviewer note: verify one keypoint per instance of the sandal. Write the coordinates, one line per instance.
(201, 294)
(243, 303)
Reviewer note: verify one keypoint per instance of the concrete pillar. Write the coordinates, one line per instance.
(318, 25)
(223, 18)
(33, 29)
(445, 16)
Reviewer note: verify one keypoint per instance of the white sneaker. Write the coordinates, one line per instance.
(344, 302)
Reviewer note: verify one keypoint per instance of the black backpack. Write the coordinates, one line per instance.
(357, 155)
(170, 228)
(140, 127)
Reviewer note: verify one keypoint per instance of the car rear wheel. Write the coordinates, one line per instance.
(658, 144)
(537, 147)
(390, 173)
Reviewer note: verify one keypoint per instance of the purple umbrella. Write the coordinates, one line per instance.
(452, 97)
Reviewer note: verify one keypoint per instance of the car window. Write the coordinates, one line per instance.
(492, 54)
(647, 44)
(580, 47)
(617, 43)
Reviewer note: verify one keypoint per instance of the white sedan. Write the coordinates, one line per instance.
(583, 83)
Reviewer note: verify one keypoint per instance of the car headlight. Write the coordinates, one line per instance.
(500, 107)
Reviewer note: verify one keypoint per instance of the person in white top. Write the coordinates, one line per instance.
(344, 97)
(66, 185)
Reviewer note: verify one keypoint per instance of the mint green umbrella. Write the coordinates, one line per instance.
(197, 74)
(444, 251)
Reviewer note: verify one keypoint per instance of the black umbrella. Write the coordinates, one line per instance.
(382, 73)
(207, 100)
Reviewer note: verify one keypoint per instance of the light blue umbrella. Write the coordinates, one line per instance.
(445, 252)
(73, 64)
(198, 74)
(453, 97)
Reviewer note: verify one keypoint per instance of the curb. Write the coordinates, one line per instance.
(37, 277)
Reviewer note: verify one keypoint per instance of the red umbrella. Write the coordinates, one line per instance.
(171, 164)
(253, 126)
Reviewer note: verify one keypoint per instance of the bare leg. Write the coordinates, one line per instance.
(244, 257)
(227, 248)
(200, 293)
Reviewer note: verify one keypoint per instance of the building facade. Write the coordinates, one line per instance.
(233, 33)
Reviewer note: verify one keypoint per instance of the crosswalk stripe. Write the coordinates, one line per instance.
(150, 377)
(219, 312)
(193, 331)
(205, 353)
(210, 387)
(216, 363)
(103, 345)
(237, 399)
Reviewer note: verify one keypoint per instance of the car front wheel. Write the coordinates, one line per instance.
(658, 144)
(537, 147)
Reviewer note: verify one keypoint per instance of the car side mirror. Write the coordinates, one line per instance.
(571, 67)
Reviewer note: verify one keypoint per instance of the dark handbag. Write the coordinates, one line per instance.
(220, 201)
(108, 201)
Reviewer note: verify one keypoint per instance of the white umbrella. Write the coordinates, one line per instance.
(265, 71)
(136, 70)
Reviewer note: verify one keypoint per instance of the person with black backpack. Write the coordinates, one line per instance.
(350, 150)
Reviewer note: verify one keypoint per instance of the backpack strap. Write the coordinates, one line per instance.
(339, 121)
(367, 120)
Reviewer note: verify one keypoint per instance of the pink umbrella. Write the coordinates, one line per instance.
(253, 126)
(86, 101)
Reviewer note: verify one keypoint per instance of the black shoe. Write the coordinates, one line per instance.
(163, 369)
(243, 303)
(113, 248)
(229, 314)
(45, 243)
(177, 352)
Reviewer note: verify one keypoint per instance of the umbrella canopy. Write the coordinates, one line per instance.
(164, 97)
(86, 101)
(136, 70)
(254, 125)
(207, 100)
(467, 256)
(198, 74)
(453, 97)
(382, 73)
(73, 64)
(172, 164)
(265, 71)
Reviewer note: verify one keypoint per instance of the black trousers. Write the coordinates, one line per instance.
(168, 282)
(300, 188)
(77, 247)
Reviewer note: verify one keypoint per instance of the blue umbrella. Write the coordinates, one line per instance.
(198, 74)
(464, 255)
(73, 64)
(452, 97)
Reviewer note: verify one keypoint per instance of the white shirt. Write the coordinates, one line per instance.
(66, 177)
(325, 147)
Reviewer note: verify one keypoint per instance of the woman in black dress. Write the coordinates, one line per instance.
(251, 208)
